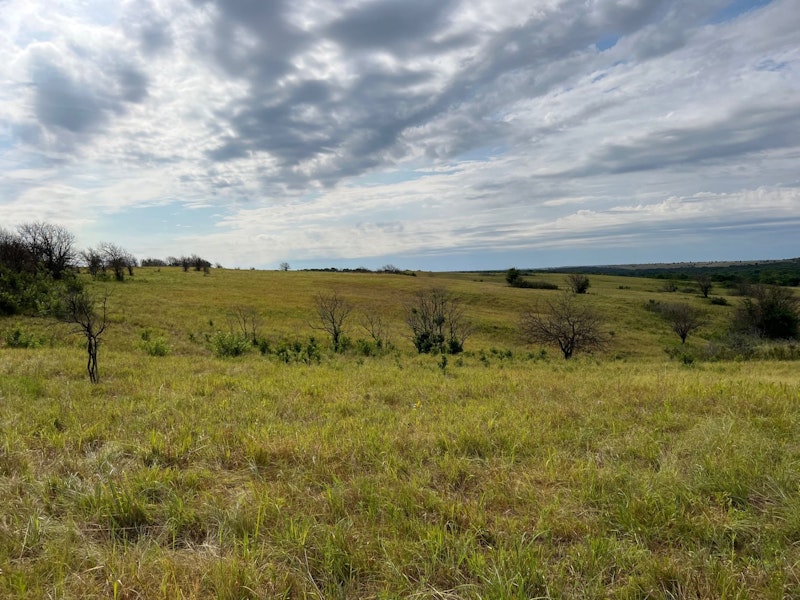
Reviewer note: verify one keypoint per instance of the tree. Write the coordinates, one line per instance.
(578, 283)
(80, 309)
(513, 276)
(52, 246)
(437, 322)
(15, 255)
(705, 284)
(376, 327)
(684, 318)
(566, 323)
(199, 264)
(93, 261)
(248, 321)
(154, 262)
(116, 259)
(771, 311)
(285, 266)
(333, 311)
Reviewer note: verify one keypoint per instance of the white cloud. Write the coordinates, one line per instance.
(327, 129)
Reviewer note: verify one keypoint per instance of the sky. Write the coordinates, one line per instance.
(436, 135)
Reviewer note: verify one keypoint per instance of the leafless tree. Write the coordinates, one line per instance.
(683, 317)
(52, 246)
(93, 261)
(285, 266)
(437, 322)
(130, 263)
(333, 311)
(567, 323)
(115, 258)
(80, 309)
(705, 284)
(248, 321)
(15, 255)
(374, 324)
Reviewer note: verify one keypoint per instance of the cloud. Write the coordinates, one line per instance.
(351, 129)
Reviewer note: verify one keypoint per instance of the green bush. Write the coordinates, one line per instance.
(19, 338)
(292, 351)
(771, 312)
(540, 285)
(229, 344)
(156, 346)
(366, 347)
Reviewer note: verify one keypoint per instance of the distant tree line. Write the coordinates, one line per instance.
(187, 263)
(773, 272)
(389, 269)
(39, 261)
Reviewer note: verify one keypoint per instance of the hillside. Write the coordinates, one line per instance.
(772, 272)
(501, 472)
(187, 307)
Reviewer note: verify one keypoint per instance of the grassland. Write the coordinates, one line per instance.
(510, 473)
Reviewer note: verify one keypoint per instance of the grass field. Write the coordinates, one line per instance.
(506, 473)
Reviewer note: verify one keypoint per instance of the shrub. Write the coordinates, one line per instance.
(579, 284)
(333, 311)
(539, 285)
(156, 346)
(19, 338)
(291, 351)
(513, 277)
(683, 318)
(669, 286)
(437, 322)
(366, 347)
(771, 312)
(565, 323)
(229, 344)
(719, 301)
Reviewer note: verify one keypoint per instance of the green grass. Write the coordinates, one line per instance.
(505, 475)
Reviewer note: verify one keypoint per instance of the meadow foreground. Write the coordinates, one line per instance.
(499, 474)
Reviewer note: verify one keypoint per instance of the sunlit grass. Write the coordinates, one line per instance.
(503, 475)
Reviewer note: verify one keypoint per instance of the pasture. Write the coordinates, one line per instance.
(502, 472)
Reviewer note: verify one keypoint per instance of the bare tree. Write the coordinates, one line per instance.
(248, 321)
(115, 258)
(15, 255)
(567, 323)
(333, 311)
(285, 266)
(705, 284)
(130, 263)
(376, 327)
(93, 261)
(80, 308)
(52, 245)
(578, 283)
(437, 322)
(684, 318)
